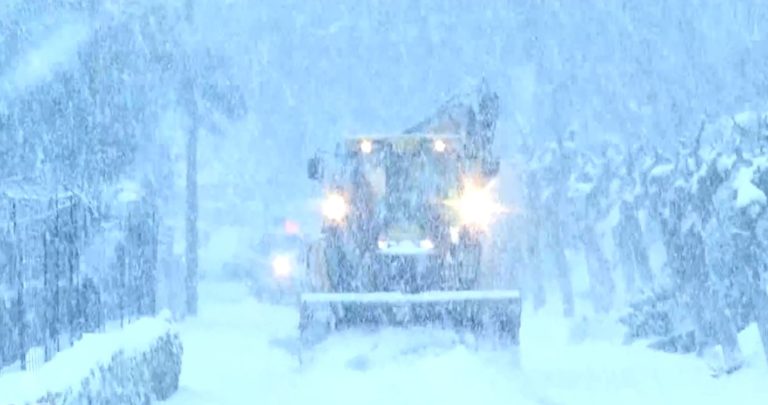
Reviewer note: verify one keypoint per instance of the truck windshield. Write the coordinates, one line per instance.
(407, 183)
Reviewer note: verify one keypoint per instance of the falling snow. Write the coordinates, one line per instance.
(236, 165)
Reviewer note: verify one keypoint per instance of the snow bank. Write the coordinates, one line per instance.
(128, 366)
(559, 362)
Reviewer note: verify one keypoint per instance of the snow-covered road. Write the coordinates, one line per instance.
(239, 351)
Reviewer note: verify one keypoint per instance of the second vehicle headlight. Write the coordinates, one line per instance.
(282, 266)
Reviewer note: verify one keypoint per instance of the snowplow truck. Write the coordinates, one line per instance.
(406, 222)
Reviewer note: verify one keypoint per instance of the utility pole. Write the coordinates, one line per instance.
(192, 203)
(192, 214)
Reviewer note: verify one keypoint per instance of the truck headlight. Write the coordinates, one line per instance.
(439, 146)
(366, 147)
(476, 205)
(335, 208)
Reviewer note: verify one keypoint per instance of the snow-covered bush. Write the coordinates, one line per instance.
(135, 365)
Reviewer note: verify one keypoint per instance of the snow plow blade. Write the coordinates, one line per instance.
(486, 313)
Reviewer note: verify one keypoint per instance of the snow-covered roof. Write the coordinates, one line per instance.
(19, 189)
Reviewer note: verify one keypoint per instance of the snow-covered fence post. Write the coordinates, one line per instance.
(6, 325)
(127, 269)
(16, 269)
(130, 266)
(140, 256)
(121, 280)
(150, 231)
(142, 239)
(50, 331)
(57, 268)
(93, 307)
(154, 229)
(5, 332)
(73, 260)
